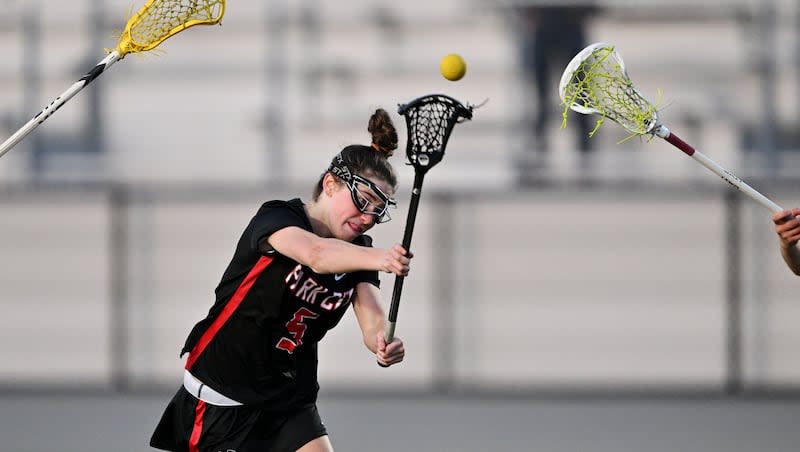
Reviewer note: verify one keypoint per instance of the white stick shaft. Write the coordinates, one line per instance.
(51, 108)
(728, 176)
(736, 182)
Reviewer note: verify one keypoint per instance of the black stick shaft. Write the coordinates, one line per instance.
(416, 192)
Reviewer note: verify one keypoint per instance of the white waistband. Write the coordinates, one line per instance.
(204, 393)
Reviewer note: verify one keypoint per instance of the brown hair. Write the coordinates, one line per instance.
(372, 159)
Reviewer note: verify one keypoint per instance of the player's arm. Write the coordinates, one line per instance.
(372, 321)
(787, 225)
(329, 255)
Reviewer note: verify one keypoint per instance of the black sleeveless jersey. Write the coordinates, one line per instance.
(258, 344)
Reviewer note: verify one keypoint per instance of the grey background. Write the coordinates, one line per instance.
(629, 301)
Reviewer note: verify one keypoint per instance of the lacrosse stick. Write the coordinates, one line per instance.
(429, 120)
(155, 22)
(595, 81)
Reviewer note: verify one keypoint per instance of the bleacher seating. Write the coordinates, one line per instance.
(343, 60)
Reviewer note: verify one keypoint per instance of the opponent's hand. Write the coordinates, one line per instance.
(397, 260)
(787, 226)
(391, 353)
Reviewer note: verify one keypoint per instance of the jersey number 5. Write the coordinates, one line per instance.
(296, 327)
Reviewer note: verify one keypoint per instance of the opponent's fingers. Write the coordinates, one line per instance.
(792, 235)
(787, 225)
(789, 237)
(781, 217)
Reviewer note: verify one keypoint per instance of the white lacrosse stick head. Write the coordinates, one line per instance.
(596, 82)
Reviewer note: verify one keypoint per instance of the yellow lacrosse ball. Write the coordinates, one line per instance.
(452, 67)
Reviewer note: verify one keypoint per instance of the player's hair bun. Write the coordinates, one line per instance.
(384, 135)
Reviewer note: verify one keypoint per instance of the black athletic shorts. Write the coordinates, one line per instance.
(191, 425)
(284, 432)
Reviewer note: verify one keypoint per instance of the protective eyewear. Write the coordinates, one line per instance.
(369, 199)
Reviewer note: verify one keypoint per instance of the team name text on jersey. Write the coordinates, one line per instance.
(312, 292)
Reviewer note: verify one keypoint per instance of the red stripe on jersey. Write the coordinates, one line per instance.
(228, 310)
(194, 439)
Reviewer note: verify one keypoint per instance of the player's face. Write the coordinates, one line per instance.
(359, 205)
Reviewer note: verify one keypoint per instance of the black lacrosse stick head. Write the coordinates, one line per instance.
(429, 121)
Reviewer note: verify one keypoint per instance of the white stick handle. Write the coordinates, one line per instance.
(51, 108)
(728, 176)
(736, 182)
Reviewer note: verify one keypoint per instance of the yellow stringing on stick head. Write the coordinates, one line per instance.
(595, 81)
(160, 19)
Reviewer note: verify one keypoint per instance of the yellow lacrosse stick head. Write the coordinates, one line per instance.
(157, 20)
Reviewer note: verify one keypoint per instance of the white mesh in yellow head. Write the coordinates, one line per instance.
(160, 19)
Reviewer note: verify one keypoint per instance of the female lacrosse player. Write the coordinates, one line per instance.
(250, 379)
(787, 225)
